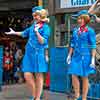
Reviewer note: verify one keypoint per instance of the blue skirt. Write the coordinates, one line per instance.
(80, 66)
(34, 60)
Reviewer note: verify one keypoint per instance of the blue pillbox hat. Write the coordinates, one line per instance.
(34, 9)
(81, 13)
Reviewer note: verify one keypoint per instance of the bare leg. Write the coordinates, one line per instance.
(76, 85)
(30, 81)
(39, 85)
(85, 88)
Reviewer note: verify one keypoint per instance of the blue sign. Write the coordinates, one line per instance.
(81, 2)
(75, 3)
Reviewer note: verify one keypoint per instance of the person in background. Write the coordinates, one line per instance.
(34, 62)
(81, 56)
(18, 60)
(12, 66)
(7, 65)
(92, 10)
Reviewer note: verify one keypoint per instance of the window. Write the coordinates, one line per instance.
(61, 32)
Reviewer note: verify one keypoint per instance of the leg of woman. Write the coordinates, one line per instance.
(39, 85)
(85, 87)
(76, 85)
(30, 81)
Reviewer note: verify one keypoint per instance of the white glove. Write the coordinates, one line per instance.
(11, 32)
(36, 28)
(92, 65)
(68, 60)
(47, 58)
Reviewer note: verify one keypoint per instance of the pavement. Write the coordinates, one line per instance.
(20, 92)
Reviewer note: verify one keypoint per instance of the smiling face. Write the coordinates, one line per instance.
(36, 17)
(83, 20)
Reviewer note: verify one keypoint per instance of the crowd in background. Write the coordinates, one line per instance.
(13, 52)
(20, 22)
(12, 63)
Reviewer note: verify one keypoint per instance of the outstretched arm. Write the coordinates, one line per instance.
(13, 32)
(91, 9)
(97, 19)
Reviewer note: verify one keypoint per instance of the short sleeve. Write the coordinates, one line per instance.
(92, 38)
(46, 33)
(26, 32)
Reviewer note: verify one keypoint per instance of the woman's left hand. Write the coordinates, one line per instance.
(68, 60)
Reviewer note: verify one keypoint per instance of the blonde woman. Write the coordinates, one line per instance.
(34, 61)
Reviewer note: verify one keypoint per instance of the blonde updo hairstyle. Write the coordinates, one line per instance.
(44, 15)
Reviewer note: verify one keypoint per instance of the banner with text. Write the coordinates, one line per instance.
(75, 3)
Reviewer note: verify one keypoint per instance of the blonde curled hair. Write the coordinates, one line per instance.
(44, 15)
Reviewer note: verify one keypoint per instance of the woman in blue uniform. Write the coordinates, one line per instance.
(34, 61)
(81, 57)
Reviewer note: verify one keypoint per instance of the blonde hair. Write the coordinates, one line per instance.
(85, 17)
(44, 15)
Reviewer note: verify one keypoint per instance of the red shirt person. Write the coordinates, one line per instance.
(7, 61)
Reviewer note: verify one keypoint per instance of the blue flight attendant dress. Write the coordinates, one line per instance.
(34, 59)
(81, 58)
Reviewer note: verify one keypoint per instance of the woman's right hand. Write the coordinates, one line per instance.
(68, 60)
(11, 32)
(36, 28)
